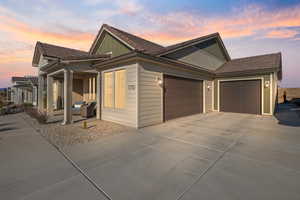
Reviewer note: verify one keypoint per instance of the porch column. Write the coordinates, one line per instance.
(49, 94)
(68, 88)
(98, 97)
(41, 93)
(94, 88)
(59, 94)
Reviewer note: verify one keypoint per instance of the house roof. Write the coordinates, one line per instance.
(55, 51)
(143, 55)
(187, 43)
(18, 78)
(34, 80)
(253, 63)
(87, 57)
(141, 47)
(135, 42)
(27, 79)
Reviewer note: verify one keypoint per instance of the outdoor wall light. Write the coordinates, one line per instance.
(267, 84)
(208, 87)
(159, 81)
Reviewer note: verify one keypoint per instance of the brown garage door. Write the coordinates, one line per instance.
(240, 96)
(182, 97)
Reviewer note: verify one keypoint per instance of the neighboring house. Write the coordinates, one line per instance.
(24, 90)
(140, 83)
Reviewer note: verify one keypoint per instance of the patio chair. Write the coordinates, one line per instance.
(88, 110)
(76, 107)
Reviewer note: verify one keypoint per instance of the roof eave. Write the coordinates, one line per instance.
(247, 72)
(136, 56)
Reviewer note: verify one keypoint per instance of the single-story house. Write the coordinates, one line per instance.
(138, 83)
(24, 90)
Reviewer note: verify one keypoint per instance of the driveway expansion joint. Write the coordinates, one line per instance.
(71, 162)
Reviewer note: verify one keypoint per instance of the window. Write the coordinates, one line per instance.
(114, 89)
(120, 89)
(108, 90)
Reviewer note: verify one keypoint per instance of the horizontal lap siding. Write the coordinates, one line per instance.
(208, 96)
(150, 98)
(128, 115)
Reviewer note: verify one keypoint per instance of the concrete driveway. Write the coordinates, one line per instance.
(206, 156)
(32, 169)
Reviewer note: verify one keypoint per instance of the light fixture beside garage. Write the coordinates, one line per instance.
(267, 84)
(159, 81)
(208, 87)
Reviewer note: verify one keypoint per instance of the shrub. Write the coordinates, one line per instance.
(39, 116)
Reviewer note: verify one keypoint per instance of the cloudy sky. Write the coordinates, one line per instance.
(247, 27)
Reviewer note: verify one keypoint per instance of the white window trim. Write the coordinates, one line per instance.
(126, 89)
(250, 78)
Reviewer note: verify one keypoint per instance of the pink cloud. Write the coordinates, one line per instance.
(248, 21)
(23, 32)
(281, 34)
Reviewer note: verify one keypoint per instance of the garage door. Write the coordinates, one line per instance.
(182, 97)
(240, 96)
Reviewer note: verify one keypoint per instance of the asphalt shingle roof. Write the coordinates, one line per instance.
(58, 51)
(136, 42)
(260, 62)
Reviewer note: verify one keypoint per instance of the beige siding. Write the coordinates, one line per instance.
(151, 94)
(77, 90)
(150, 98)
(88, 95)
(208, 95)
(267, 95)
(216, 92)
(274, 75)
(128, 115)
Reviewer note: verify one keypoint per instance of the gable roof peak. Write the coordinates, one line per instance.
(130, 40)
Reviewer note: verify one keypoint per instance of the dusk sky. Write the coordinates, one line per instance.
(247, 27)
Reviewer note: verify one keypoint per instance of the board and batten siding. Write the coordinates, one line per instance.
(150, 98)
(206, 54)
(111, 44)
(128, 115)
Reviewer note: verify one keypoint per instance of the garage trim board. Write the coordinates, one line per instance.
(244, 79)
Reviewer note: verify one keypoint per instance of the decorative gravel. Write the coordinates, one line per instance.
(62, 136)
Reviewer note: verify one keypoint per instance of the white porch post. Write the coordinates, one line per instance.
(49, 94)
(94, 88)
(41, 93)
(68, 88)
(98, 97)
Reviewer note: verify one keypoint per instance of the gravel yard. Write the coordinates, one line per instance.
(62, 136)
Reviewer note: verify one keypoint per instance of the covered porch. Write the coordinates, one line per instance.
(62, 89)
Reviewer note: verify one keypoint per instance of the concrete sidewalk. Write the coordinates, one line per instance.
(33, 169)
